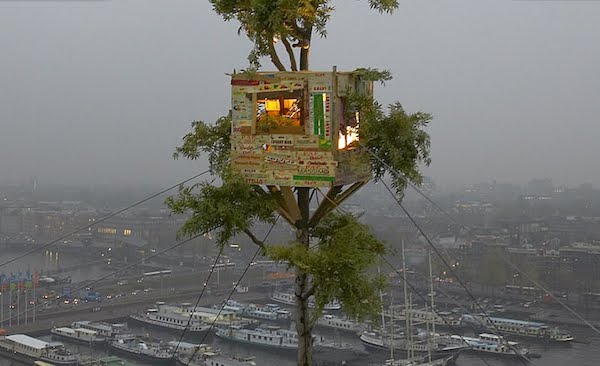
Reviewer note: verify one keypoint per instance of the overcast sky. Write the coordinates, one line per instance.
(102, 91)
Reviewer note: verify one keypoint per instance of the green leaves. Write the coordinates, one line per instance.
(293, 20)
(384, 6)
(339, 265)
(213, 140)
(374, 74)
(397, 141)
(227, 210)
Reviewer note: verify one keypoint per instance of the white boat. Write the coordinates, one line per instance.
(27, 349)
(270, 337)
(289, 299)
(521, 328)
(185, 349)
(168, 318)
(445, 361)
(383, 341)
(492, 344)
(216, 359)
(233, 306)
(441, 319)
(339, 323)
(102, 329)
(275, 338)
(78, 335)
(151, 352)
(272, 312)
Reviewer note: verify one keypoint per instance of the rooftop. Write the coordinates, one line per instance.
(27, 340)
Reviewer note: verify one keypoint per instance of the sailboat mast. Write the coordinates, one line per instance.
(392, 316)
(428, 330)
(407, 333)
(431, 293)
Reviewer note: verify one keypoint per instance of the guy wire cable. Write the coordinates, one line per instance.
(111, 215)
(115, 213)
(233, 290)
(504, 258)
(212, 270)
(498, 332)
(412, 287)
(90, 284)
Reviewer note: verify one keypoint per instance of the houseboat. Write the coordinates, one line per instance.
(104, 330)
(441, 319)
(383, 342)
(334, 322)
(145, 351)
(492, 344)
(277, 339)
(444, 361)
(216, 359)
(23, 348)
(270, 312)
(289, 299)
(79, 335)
(169, 319)
(521, 328)
(267, 337)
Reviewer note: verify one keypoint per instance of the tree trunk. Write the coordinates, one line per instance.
(304, 58)
(302, 285)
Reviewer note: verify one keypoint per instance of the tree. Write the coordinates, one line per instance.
(332, 252)
(265, 22)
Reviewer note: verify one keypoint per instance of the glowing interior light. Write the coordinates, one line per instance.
(348, 136)
(346, 139)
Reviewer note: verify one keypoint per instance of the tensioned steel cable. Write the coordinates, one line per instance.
(109, 216)
(212, 270)
(523, 358)
(115, 213)
(416, 291)
(340, 209)
(501, 255)
(110, 274)
(232, 291)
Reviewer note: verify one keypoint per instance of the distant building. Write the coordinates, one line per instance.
(539, 189)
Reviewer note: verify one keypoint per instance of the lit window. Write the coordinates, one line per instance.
(279, 111)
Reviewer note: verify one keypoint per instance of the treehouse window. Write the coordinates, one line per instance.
(348, 137)
(279, 112)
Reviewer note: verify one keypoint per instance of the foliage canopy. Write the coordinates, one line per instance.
(339, 265)
(292, 21)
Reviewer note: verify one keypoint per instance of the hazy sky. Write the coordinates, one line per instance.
(103, 91)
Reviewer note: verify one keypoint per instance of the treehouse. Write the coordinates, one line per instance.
(297, 128)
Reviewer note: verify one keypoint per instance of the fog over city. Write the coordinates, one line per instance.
(100, 92)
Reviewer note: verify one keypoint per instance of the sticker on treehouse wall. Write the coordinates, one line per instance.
(321, 118)
(282, 140)
(306, 142)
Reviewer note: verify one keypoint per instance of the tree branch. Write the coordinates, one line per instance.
(275, 57)
(290, 51)
(302, 33)
(309, 293)
(256, 240)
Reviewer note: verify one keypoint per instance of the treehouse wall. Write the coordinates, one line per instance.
(291, 128)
